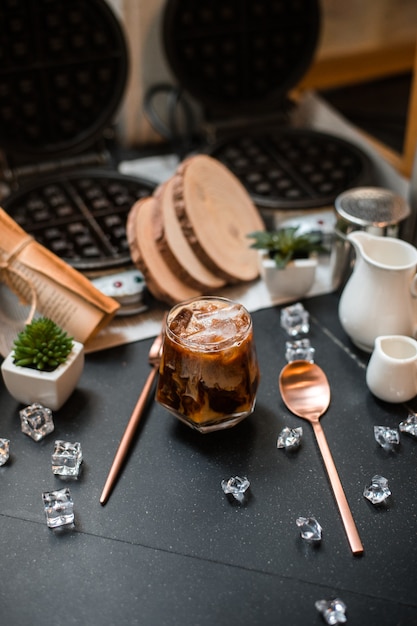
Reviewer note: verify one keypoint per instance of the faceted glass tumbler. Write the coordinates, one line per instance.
(209, 371)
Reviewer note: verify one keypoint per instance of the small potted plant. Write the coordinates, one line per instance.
(44, 366)
(288, 260)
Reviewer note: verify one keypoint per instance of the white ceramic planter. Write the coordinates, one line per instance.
(51, 389)
(293, 281)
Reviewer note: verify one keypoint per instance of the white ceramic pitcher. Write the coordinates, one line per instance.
(380, 297)
(391, 374)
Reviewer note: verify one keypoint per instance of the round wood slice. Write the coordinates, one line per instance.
(163, 246)
(194, 272)
(143, 231)
(216, 214)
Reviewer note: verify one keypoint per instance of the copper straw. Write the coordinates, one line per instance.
(124, 445)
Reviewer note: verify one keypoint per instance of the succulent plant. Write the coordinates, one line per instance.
(285, 244)
(42, 345)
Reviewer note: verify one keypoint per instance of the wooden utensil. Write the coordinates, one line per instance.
(305, 391)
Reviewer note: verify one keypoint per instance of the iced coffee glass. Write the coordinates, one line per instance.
(209, 372)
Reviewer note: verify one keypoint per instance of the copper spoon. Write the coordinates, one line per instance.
(154, 358)
(305, 391)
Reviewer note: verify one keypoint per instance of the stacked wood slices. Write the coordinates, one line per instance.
(191, 236)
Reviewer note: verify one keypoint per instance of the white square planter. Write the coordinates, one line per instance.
(293, 281)
(51, 389)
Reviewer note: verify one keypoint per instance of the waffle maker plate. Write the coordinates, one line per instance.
(62, 77)
(239, 59)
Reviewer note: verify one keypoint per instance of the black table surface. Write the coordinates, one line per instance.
(169, 547)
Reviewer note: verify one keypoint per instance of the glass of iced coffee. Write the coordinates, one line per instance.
(209, 371)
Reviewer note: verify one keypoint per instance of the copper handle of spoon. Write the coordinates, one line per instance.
(342, 503)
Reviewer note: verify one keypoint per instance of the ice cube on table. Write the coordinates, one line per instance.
(66, 458)
(4, 450)
(295, 319)
(378, 491)
(299, 349)
(386, 437)
(290, 438)
(309, 527)
(236, 486)
(409, 425)
(58, 507)
(333, 611)
(36, 421)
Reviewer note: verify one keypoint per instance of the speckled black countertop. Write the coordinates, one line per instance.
(169, 548)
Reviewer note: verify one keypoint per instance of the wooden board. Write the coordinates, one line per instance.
(190, 268)
(143, 229)
(216, 215)
(191, 236)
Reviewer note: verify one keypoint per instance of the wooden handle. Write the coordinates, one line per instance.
(345, 512)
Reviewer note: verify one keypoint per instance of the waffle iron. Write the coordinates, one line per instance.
(239, 59)
(62, 76)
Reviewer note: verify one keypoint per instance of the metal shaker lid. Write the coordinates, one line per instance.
(372, 206)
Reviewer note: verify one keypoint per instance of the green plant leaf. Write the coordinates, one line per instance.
(42, 345)
(284, 244)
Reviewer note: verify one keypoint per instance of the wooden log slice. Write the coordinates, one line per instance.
(143, 231)
(190, 269)
(163, 246)
(216, 214)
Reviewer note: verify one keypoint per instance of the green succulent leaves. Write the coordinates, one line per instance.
(284, 245)
(42, 345)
